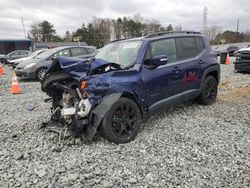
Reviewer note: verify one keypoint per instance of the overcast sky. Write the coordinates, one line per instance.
(70, 14)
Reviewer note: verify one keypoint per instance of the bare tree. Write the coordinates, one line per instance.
(212, 31)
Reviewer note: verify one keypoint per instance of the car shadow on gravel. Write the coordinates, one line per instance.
(169, 111)
(26, 80)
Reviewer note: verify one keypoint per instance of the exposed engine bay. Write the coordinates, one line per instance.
(72, 104)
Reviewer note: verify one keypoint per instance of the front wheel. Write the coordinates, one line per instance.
(40, 74)
(209, 91)
(122, 122)
(3, 61)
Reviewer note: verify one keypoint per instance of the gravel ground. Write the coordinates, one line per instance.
(186, 146)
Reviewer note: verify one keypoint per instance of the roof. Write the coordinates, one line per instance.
(59, 44)
(162, 35)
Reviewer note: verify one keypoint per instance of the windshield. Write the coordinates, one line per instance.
(123, 53)
(46, 54)
(35, 53)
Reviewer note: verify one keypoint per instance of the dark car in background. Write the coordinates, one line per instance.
(36, 68)
(232, 49)
(242, 60)
(223, 49)
(4, 59)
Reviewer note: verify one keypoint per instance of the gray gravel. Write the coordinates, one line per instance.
(186, 146)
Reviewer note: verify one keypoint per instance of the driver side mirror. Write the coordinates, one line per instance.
(159, 60)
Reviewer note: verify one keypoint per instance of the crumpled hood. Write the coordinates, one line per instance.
(79, 68)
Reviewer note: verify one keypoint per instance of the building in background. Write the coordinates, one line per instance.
(9, 45)
(56, 44)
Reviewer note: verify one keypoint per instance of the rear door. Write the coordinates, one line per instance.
(190, 61)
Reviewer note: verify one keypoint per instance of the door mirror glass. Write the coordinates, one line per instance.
(159, 60)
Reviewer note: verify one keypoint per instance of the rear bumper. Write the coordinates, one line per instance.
(25, 74)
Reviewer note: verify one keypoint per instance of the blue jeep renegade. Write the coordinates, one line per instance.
(129, 79)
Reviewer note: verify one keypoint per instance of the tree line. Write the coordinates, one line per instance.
(101, 31)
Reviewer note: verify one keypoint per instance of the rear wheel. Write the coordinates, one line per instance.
(41, 73)
(209, 91)
(122, 122)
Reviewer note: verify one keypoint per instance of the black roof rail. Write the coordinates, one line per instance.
(157, 34)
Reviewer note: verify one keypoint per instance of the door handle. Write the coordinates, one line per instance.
(177, 69)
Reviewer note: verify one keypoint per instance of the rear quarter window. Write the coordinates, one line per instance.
(200, 44)
(89, 50)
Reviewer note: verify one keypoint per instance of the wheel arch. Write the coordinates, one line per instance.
(211, 71)
(98, 113)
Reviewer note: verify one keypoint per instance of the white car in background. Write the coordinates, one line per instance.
(15, 62)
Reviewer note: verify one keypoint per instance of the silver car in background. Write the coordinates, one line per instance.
(36, 68)
(4, 59)
(15, 62)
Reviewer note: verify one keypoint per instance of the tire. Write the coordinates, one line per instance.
(40, 74)
(122, 122)
(209, 91)
(3, 61)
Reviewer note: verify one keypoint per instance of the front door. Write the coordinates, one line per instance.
(165, 81)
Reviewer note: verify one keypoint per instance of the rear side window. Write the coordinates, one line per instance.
(78, 51)
(164, 47)
(200, 44)
(187, 47)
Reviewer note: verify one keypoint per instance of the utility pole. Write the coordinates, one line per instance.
(238, 25)
(24, 32)
(204, 19)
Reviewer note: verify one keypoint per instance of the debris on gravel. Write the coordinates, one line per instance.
(186, 146)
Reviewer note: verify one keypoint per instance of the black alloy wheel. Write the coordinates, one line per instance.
(122, 122)
(209, 91)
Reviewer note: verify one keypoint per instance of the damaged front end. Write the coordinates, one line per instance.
(70, 84)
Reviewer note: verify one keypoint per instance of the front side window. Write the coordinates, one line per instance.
(187, 47)
(123, 53)
(23, 53)
(14, 54)
(78, 51)
(164, 47)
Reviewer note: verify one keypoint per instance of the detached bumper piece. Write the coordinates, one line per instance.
(242, 62)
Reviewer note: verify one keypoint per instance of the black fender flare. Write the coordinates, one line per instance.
(97, 114)
(215, 68)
